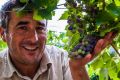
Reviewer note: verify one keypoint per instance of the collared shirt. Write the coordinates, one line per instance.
(54, 66)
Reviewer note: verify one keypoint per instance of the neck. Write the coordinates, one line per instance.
(25, 69)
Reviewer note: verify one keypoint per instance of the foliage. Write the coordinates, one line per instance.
(88, 21)
(42, 9)
(2, 45)
(58, 39)
(85, 17)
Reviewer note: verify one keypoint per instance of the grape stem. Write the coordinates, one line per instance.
(103, 4)
(115, 49)
(61, 4)
(61, 8)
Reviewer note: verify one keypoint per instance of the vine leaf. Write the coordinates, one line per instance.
(64, 16)
(103, 74)
(104, 17)
(37, 15)
(24, 1)
(97, 63)
(114, 10)
(117, 2)
(118, 75)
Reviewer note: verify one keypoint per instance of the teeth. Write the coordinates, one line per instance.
(30, 48)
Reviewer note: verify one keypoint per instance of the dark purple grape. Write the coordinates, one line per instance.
(74, 4)
(70, 28)
(92, 42)
(88, 49)
(77, 47)
(69, 21)
(80, 30)
(78, 20)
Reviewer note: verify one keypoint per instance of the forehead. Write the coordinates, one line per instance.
(27, 17)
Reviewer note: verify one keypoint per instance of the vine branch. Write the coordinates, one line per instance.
(103, 4)
(115, 49)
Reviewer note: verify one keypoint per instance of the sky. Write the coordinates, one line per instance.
(55, 24)
(2, 2)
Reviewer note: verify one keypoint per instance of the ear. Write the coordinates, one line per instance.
(2, 34)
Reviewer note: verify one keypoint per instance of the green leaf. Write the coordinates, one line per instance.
(49, 5)
(117, 2)
(113, 70)
(103, 17)
(23, 1)
(74, 40)
(118, 75)
(97, 63)
(64, 15)
(44, 9)
(114, 10)
(103, 74)
(37, 16)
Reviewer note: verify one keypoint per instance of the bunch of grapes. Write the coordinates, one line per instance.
(86, 46)
(83, 19)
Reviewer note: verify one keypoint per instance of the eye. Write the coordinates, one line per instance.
(39, 28)
(23, 27)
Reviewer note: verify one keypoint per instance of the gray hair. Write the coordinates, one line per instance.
(6, 10)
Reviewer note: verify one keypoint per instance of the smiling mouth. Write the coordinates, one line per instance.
(30, 48)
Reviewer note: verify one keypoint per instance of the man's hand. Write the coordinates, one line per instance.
(77, 66)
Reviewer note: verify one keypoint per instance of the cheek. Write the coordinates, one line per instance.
(9, 39)
(42, 38)
(13, 40)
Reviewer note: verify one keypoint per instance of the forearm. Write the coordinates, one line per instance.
(78, 73)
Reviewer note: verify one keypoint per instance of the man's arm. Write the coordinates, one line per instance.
(77, 66)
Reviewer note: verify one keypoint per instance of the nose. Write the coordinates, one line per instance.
(32, 36)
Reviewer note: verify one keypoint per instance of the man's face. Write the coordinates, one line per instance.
(26, 38)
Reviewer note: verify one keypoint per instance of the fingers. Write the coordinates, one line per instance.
(102, 43)
(110, 36)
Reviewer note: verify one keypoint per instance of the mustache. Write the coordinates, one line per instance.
(36, 43)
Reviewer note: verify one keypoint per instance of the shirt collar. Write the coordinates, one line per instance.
(45, 62)
(9, 68)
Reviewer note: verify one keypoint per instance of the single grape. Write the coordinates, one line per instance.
(78, 20)
(77, 47)
(70, 28)
(74, 4)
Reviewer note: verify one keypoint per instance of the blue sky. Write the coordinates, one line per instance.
(55, 24)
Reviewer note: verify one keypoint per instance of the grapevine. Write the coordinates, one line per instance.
(42, 9)
(88, 21)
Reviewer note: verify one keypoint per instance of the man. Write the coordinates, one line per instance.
(27, 56)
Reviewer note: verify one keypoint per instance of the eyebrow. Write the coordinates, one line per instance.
(41, 23)
(22, 23)
(26, 22)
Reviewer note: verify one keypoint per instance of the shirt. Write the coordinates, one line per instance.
(54, 66)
